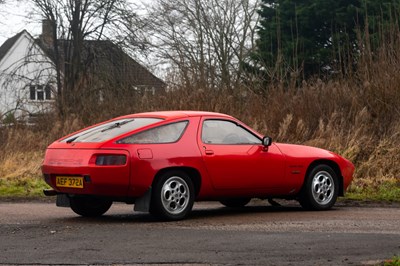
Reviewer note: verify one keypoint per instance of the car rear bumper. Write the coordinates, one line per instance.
(94, 179)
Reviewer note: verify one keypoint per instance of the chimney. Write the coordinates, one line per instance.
(47, 32)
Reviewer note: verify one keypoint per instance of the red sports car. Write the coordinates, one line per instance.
(164, 161)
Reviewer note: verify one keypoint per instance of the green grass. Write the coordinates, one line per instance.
(395, 261)
(22, 188)
(388, 191)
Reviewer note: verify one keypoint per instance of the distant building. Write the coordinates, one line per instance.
(28, 73)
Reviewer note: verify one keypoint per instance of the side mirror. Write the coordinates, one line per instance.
(267, 141)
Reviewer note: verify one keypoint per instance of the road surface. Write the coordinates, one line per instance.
(37, 233)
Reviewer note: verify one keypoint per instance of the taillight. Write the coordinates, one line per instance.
(110, 159)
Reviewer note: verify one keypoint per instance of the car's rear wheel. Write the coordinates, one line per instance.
(235, 202)
(173, 196)
(321, 188)
(90, 206)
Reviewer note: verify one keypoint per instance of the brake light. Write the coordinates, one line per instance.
(110, 159)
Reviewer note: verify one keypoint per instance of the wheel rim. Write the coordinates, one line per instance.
(175, 195)
(323, 188)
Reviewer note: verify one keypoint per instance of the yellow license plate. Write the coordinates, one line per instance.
(69, 181)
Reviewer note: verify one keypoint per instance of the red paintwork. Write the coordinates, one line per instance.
(225, 170)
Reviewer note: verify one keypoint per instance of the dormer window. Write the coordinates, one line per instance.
(39, 92)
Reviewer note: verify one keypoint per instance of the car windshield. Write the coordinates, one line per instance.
(110, 130)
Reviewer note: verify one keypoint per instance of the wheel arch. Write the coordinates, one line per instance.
(335, 167)
(193, 173)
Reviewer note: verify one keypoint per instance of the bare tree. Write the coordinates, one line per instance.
(204, 41)
(71, 23)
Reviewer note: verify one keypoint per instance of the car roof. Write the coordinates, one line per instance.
(169, 115)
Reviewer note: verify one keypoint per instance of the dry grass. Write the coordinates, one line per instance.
(338, 116)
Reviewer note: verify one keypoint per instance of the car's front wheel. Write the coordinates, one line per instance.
(320, 189)
(90, 206)
(173, 196)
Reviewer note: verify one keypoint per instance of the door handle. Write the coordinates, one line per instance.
(209, 152)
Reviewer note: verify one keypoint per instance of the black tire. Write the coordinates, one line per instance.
(173, 196)
(90, 206)
(235, 202)
(320, 189)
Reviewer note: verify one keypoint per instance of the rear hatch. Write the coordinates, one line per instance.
(81, 169)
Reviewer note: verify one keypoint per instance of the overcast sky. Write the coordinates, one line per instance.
(13, 19)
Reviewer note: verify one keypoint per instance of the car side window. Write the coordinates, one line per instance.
(226, 132)
(162, 134)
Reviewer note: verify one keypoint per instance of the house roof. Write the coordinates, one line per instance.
(109, 61)
(8, 44)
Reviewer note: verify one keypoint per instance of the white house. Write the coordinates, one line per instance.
(28, 73)
(27, 77)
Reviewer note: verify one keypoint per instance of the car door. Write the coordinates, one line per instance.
(236, 159)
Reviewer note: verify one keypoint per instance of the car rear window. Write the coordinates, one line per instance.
(163, 134)
(110, 130)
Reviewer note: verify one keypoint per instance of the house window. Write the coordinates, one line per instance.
(39, 92)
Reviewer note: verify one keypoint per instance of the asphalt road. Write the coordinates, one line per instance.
(42, 234)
